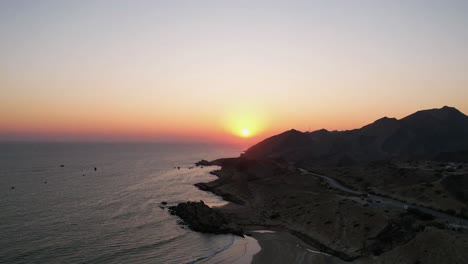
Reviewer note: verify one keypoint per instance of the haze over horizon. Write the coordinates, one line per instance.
(221, 71)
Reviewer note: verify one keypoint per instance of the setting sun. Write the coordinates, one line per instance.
(245, 121)
(245, 132)
(297, 104)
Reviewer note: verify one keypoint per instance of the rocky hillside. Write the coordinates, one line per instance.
(426, 134)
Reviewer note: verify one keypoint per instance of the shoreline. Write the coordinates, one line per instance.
(316, 223)
(265, 246)
(284, 247)
(242, 251)
(299, 246)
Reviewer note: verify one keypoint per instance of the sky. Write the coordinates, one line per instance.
(213, 70)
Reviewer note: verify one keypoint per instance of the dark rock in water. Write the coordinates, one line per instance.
(62, 166)
(201, 218)
(202, 186)
(12, 187)
(45, 182)
(95, 169)
(163, 202)
(203, 163)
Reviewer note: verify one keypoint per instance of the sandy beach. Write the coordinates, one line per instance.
(282, 247)
(264, 246)
(240, 252)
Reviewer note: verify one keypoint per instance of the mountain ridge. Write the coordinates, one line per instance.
(424, 134)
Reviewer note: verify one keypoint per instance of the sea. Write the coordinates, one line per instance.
(101, 203)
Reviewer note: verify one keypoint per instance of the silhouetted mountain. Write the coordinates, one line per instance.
(424, 134)
(290, 143)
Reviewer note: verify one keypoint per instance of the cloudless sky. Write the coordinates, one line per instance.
(204, 70)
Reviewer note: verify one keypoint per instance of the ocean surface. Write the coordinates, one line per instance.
(74, 214)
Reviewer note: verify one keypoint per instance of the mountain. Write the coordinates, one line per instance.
(426, 134)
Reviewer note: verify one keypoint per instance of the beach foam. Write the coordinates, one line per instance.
(241, 252)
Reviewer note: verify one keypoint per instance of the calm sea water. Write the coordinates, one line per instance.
(73, 214)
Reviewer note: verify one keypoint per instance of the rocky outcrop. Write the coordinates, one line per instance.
(203, 163)
(398, 232)
(201, 218)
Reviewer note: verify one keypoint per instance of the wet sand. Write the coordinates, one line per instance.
(241, 252)
(271, 247)
(282, 247)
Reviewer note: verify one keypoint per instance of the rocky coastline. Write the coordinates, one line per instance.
(201, 218)
(275, 195)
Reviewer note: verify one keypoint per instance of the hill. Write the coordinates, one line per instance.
(426, 134)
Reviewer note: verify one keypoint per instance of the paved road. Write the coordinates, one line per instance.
(379, 201)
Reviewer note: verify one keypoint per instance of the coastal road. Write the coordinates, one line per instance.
(384, 202)
(333, 183)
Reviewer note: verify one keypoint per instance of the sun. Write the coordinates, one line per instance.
(243, 125)
(245, 132)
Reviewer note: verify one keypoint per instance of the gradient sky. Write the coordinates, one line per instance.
(203, 70)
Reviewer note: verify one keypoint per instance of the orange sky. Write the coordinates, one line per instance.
(156, 71)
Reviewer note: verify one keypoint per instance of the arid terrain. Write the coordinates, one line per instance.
(436, 185)
(359, 227)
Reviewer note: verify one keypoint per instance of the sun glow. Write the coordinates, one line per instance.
(245, 124)
(245, 132)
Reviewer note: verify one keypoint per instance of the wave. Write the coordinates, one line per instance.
(212, 254)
